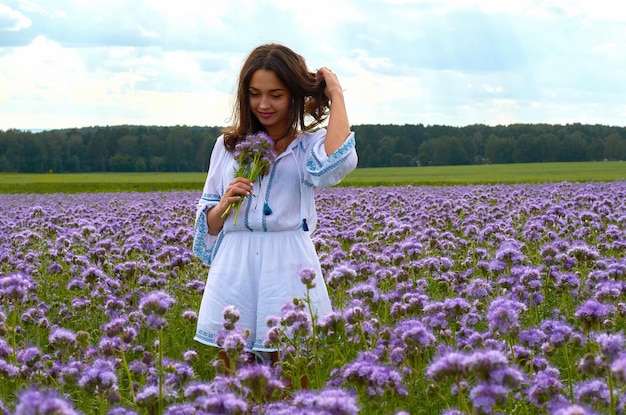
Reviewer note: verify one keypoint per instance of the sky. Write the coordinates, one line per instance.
(81, 63)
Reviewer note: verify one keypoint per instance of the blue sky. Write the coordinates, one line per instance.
(76, 63)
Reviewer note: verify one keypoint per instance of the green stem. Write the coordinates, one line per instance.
(102, 408)
(462, 401)
(127, 370)
(14, 337)
(611, 398)
(569, 372)
(236, 215)
(160, 364)
(313, 335)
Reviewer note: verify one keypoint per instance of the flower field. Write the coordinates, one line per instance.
(450, 300)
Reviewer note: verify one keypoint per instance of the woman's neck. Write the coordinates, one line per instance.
(281, 143)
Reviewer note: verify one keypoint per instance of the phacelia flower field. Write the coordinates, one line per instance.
(503, 299)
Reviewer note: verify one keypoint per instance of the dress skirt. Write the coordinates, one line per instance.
(258, 284)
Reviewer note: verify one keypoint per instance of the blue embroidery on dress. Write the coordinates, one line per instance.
(201, 233)
(248, 203)
(259, 345)
(201, 230)
(307, 183)
(217, 244)
(345, 148)
(267, 192)
(210, 197)
(334, 160)
(206, 336)
(211, 339)
(315, 159)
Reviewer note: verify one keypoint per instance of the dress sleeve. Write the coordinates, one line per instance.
(325, 171)
(203, 241)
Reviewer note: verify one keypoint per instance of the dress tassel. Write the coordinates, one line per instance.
(305, 227)
(266, 209)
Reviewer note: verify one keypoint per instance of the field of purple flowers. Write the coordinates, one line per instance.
(452, 300)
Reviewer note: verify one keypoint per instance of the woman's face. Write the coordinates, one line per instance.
(269, 101)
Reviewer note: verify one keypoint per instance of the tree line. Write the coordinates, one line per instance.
(188, 148)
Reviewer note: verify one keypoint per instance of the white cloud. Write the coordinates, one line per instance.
(12, 20)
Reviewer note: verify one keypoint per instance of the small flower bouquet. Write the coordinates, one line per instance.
(255, 156)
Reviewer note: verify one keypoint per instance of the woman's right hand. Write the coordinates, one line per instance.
(235, 191)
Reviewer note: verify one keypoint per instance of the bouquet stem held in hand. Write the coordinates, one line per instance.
(255, 156)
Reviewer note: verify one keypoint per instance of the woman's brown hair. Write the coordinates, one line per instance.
(307, 93)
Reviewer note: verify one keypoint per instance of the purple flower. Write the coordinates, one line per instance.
(545, 387)
(452, 365)
(483, 363)
(61, 338)
(307, 277)
(33, 401)
(592, 313)
(504, 315)
(592, 392)
(485, 396)
(191, 356)
(8, 370)
(254, 156)
(154, 305)
(16, 286)
(611, 345)
(233, 342)
(478, 289)
(377, 378)
(121, 411)
(177, 373)
(557, 332)
(332, 323)
(354, 315)
(341, 274)
(582, 252)
(115, 327)
(148, 397)
(231, 316)
(29, 356)
(327, 401)
(100, 377)
(409, 339)
(190, 316)
(258, 378)
(295, 319)
(223, 403)
(366, 291)
(509, 253)
(532, 337)
(572, 410)
(182, 409)
(92, 274)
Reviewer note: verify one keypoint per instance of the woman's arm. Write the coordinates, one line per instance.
(338, 126)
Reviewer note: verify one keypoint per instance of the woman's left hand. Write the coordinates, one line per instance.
(332, 82)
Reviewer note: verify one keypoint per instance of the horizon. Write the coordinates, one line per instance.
(40, 130)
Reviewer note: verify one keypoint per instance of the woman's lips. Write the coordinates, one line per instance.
(266, 114)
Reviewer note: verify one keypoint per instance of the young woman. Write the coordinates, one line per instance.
(254, 262)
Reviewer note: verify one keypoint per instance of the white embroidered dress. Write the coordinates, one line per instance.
(254, 265)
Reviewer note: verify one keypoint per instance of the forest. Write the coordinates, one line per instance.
(179, 148)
